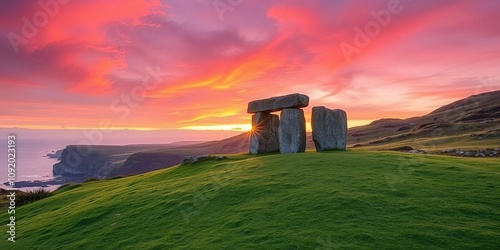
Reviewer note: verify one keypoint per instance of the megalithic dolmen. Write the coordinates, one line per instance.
(291, 134)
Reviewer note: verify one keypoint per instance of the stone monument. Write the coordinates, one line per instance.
(329, 128)
(270, 133)
(287, 133)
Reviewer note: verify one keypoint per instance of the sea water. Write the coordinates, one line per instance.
(32, 162)
(32, 146)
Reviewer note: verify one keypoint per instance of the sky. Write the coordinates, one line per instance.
(195, 64)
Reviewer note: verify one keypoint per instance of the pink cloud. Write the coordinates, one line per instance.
(92, 53)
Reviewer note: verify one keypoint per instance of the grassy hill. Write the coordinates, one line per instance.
(351, 199)
(470, 123)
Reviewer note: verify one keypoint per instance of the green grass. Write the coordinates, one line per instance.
(331, 200)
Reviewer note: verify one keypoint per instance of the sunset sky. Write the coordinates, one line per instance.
(195, 64)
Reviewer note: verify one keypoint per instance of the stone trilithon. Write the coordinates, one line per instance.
(287, 133)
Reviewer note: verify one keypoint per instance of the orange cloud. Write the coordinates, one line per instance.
(95, 52)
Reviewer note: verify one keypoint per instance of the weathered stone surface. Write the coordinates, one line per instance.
(292, 131)
(278, 103)
(264, 136)
(329, 128)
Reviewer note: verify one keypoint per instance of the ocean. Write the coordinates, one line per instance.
(32, 147)
(32, 162)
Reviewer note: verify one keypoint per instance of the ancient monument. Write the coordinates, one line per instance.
(264, 137)
(329, 128)
(287, 133)
(292, 131)
(269, 133)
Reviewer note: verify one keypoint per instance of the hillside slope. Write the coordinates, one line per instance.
(473, 122)
(351, 199)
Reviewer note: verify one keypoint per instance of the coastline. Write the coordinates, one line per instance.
(55, 182)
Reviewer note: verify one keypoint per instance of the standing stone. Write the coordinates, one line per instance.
(278, 103)
(264, 135)
(292, 131)
(329, 128)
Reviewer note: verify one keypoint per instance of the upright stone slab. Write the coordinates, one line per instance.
(292, 131)
(264, 135)
(278, 103)
(329, 128)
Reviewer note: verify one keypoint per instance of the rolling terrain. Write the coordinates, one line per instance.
(351, 199)
(472, 123)
(359, 198)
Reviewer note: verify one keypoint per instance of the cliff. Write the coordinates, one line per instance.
(108, 161)
(86, 161)
(93, 164)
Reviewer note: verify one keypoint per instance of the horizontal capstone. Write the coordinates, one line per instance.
(278, 103)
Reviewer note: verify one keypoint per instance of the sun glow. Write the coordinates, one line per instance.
(226, 127)
(248, 127)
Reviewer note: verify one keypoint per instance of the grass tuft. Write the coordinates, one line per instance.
(23, 198)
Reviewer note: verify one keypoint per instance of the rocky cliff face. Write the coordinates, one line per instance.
(109, 161)
(76, 163)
